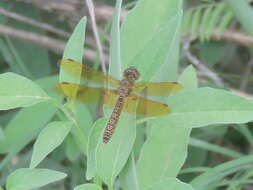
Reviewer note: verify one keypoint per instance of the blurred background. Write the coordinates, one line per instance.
(32, 38)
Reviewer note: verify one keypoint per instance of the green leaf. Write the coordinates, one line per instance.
(88, 187)
(165, 146)
(93, 141)
(17, 91)
(211, 52)
(128, 176)
(215, 17)
(148, 48)
(25, 179)
(206, 106)
(189, 78)
(115, 54)
(1, 188)
(226, 20)
(111, 157)
(74, 49)
(71, 148)
(170, 184)
(49, 138)
(243, 12)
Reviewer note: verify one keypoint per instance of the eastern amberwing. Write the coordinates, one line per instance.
(120, 98)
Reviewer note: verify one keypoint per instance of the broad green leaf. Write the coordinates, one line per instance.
(74, 49)
(165, 146)
(111, 157)
(212, 175)
(128, 176)
(17, 91)
(243, 12)
(170, 184)
(115, 53)
(71, 148)
(1, 188)
(145, 42)
(25, 179)
(168, 71)
(93, 141)
(49, 138)
(206, 106)
(88, 187)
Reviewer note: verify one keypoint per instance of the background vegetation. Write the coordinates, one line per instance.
(43, 141)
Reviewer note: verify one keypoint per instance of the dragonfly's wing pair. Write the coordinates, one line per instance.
(91, 95)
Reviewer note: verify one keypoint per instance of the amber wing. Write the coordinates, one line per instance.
(157, 88)
(88, 74)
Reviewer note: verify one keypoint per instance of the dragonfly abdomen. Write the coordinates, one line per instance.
(114, 118)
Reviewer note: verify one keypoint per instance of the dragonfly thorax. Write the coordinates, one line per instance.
(124, 88)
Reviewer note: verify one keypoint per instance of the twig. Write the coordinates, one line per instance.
(233, 36)
(195, 61)
(247, 74)
(32, 22)
(90, 6)
(41, 40)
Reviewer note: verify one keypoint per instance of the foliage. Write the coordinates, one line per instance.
(144, 153)
(203, 20)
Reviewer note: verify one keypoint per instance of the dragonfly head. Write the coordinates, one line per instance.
(131, 74)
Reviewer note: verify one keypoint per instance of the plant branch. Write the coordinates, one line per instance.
(196, 62)
(41, 40)
(32, 22)
(233, 36)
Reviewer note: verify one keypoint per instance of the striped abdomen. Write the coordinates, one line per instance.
(111, 125)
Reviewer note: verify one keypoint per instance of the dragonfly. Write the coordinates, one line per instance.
(118, 94)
